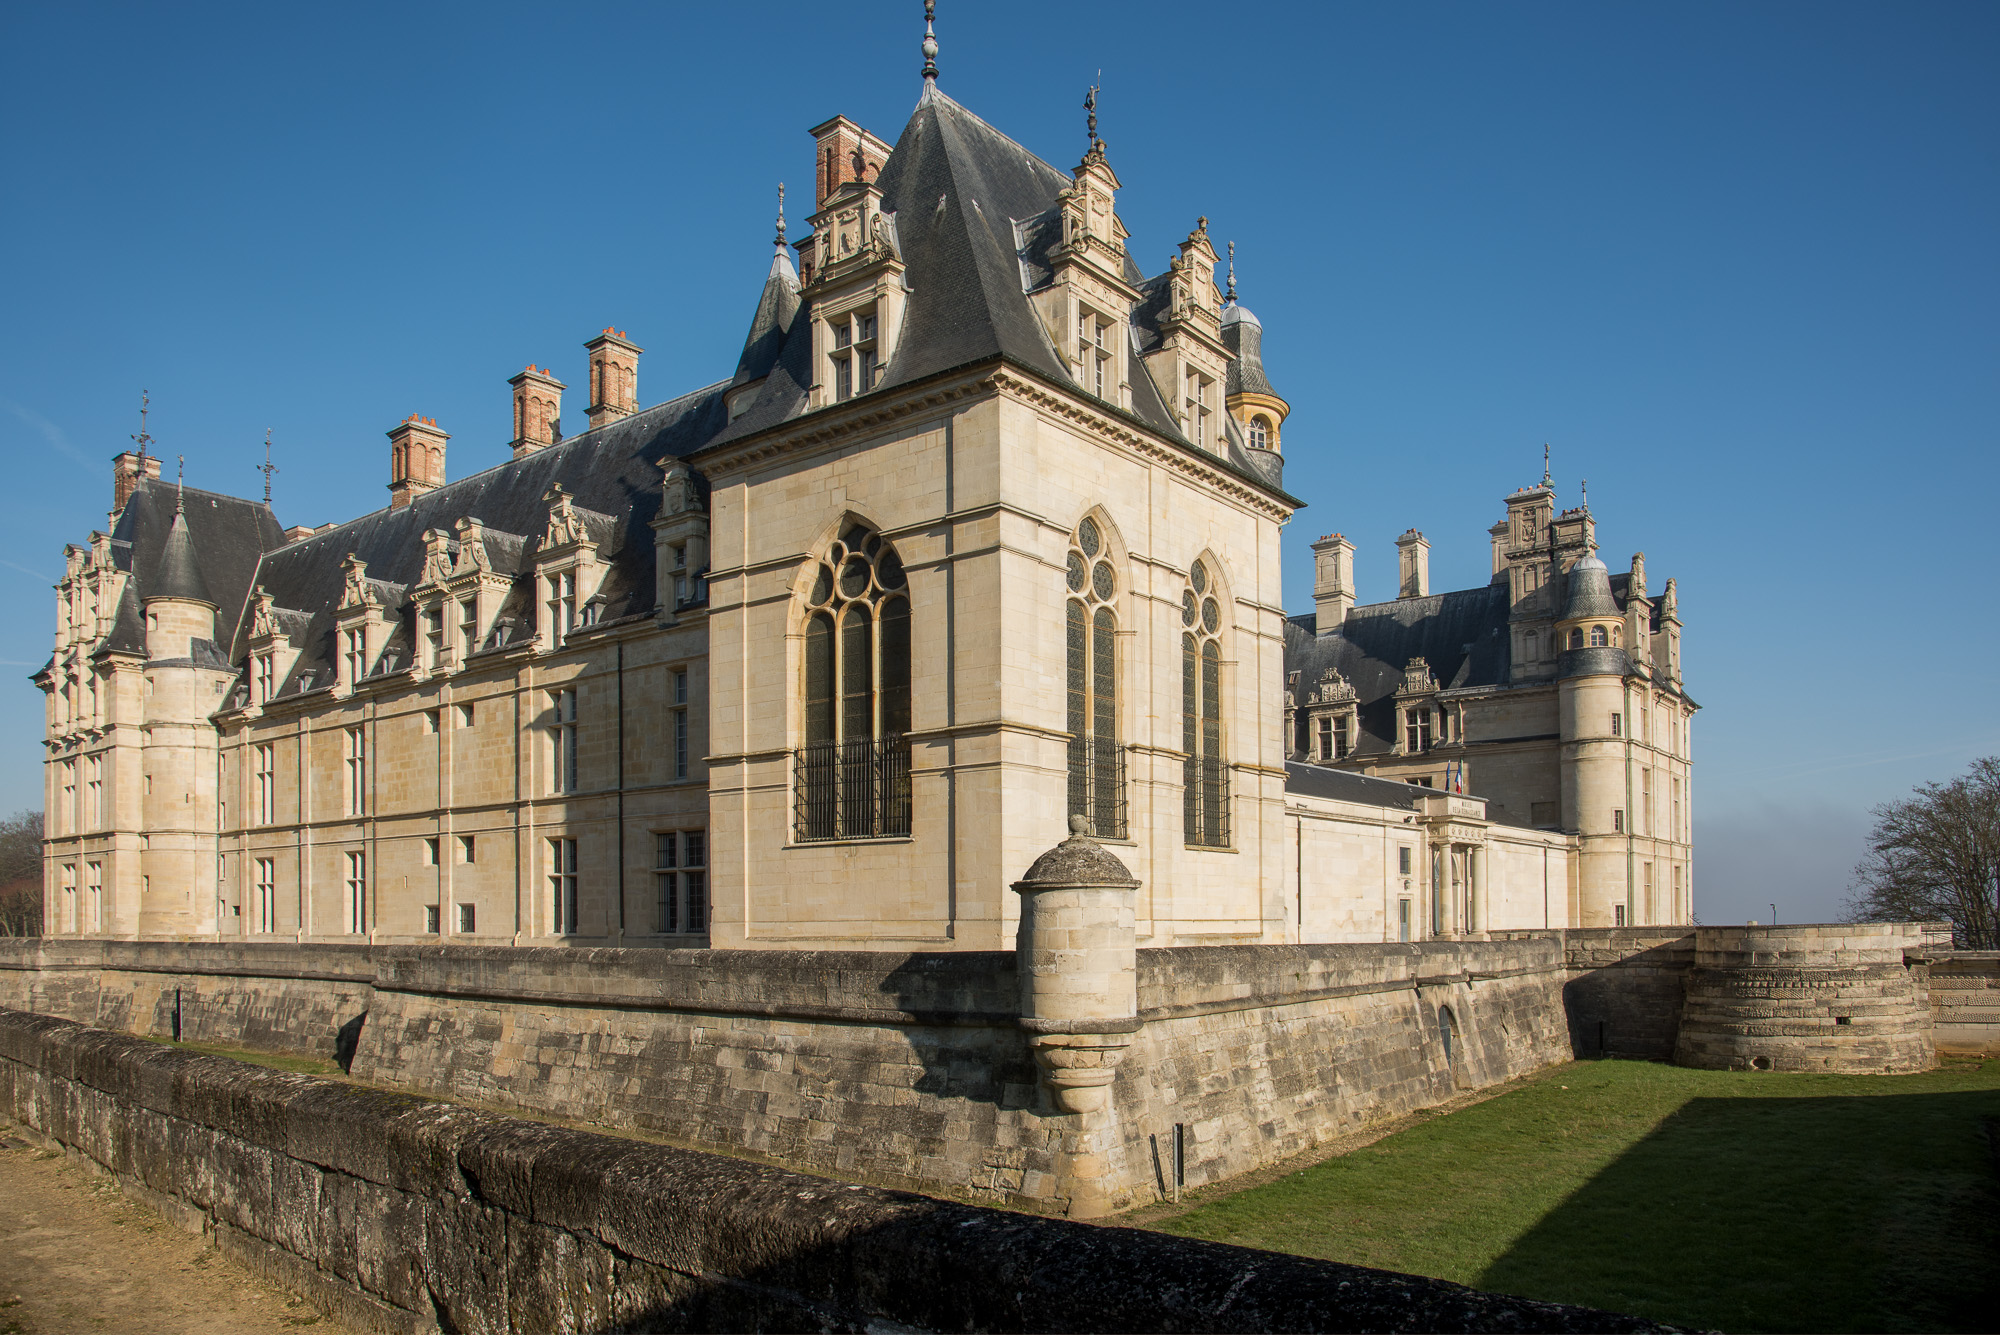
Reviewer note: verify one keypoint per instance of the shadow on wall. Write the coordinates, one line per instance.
(1833, 1214)
(346, 1042)
(950, 994)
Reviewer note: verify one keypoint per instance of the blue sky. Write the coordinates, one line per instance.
(1735, 262)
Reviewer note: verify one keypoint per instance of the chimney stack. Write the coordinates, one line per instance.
(845, 152)
(1333, 582)
(614, 377)
(416, 459)
(126, 470)
(537, 410)
(1413, 565)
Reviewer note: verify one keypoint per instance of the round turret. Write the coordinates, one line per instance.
(1591, 631)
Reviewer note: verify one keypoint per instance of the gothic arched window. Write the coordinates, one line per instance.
(853, 773)
(1096, 766)
(1205, 799)
(1599, 638)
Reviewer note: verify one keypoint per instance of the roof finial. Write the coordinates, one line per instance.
(1545, 463)
(180, 484)
(267, 468)
(1585, 488)
(1230, 296)
(1090, 106)
(930, 42)
(781, 218)
(145, 402)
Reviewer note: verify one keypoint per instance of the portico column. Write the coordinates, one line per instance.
(1476, 857)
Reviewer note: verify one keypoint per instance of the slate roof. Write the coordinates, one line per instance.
(226, 536)
(179, 573)
(611, 469)
(1342, 786)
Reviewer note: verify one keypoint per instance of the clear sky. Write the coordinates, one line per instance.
(1735, 262)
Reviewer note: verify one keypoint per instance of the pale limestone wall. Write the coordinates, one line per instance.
(1965, 1002)
(980, 495)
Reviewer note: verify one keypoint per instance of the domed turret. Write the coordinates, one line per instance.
(1258, 410)
(1591, 632)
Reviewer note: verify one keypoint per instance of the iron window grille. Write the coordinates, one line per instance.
(1097, 785)
(852, 790)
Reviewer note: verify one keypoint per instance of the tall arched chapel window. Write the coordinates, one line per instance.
(1205, 795)
(852, 775)
(1096, 765)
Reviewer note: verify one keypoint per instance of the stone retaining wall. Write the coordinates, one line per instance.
(908, 1070)
(1965, 1002)
(407, 1216)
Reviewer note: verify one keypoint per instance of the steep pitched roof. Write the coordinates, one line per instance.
(777, 306)
(611, 470)
(224, 535)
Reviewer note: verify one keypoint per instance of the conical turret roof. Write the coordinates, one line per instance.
(1589, 591)
(179, 574)
(777, 306)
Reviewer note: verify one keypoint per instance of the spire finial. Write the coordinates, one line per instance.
(1584, 487)
(1545, 463)
(267, 468)
(930, 42)
(781, 218)
(1090, 108)
(180, 484)
(145, 403)
(1230, 295)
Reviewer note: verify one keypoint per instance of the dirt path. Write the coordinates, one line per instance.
(77, 1255)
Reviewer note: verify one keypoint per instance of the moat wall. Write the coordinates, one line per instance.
(896, 1068)
(405, 1215)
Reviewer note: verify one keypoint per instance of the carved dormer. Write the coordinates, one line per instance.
(1332, 718)
(270, 648)
(680, 540)
(360, 626)
(1190, 362)
(856, 293)
(1418, 724)
(1087, 304)
(461, 593)
(569, 566)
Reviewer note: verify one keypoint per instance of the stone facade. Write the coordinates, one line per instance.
(1965, 1000)
(823, 655)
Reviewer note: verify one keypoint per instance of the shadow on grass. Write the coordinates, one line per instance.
(1785, 1214)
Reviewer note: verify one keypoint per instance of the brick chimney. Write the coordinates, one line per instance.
(537, 410)
(845, 152)
(416, 459)
(614, 377)
(1413, 565)
(126, 470)
(1333, 582)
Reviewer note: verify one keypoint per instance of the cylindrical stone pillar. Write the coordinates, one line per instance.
(1475, 858)
(1077, 953)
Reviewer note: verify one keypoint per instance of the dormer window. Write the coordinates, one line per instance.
(1200, 389)
(562, 603)
(468, 628)
(434, 637)
(1599, 638)
(1416, 730)
(1260, 434)
(355, 654)
(857, 356)
(1095, 359)
(264, 677)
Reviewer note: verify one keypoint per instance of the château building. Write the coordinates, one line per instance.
(981, 532)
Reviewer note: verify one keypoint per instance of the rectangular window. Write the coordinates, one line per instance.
(1646, 892)
(264, 897)
(354, 659)
(467, 919)
(434, 637)
(1403, 860)
(680, 723)
(68, 809)
(264, 801)
(357, 893)
(1326, 751)
(843, 377)
(562, 741)
(94, 792)
(1680, 910)
(562, 604)
(1416, 730)
(265, 678)
(1617, 915)
(66, 911)
(1618, 820)
(467, 849)
(1402, 920)
(355, 746)
(431, 919)
(562, 885)
(1617, 725)
(468, 629)
(870, 366)
(1646, 798)
(1675, 791)
(93, 882)
(680, 881)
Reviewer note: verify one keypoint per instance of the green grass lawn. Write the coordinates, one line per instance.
(1732, 1201)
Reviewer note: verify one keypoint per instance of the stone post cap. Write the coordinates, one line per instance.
(1077, 861)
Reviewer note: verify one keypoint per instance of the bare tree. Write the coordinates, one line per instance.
(1936, 857)
(21, 874)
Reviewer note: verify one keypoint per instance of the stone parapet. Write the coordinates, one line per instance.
(403, 1215)
(1965, 1002)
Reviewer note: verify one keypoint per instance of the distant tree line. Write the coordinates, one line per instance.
(1935, 857)
(21, 874)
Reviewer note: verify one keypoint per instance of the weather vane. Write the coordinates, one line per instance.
(1090, 106)
(781, 215)
(930, 41)
(267, 468)
(145, 402)
(1545, 463)
(180, 484)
